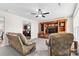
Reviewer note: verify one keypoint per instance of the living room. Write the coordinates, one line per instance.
(41, 20)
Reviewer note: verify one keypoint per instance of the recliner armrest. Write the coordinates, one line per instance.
(29, 43)
(47, 43)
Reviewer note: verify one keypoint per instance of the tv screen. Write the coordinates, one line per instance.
(52, 30)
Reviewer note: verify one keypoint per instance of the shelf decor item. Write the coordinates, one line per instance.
(62, 24)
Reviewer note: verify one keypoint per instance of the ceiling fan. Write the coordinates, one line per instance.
(39, 13)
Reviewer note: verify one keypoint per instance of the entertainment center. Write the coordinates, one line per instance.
(56, 26)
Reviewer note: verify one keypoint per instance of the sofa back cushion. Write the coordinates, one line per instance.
(15, 41)
(24, 40)
(61, 43)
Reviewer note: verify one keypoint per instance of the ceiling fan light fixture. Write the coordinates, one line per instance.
(36, 10)
(39, 15)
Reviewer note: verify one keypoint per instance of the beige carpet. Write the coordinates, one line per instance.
(41, 49)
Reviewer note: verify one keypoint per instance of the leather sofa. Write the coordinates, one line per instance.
(20, 43)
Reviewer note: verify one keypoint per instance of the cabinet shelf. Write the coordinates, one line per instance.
(56, 26)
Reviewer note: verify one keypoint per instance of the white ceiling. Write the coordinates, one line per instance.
(25, 9)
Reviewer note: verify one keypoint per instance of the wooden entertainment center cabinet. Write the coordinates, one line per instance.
(56, 26)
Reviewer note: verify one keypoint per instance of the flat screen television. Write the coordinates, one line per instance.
(52, 30)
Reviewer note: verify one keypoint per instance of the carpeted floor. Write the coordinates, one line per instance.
(41, 49)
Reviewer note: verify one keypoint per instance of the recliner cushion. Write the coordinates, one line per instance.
(24, 39)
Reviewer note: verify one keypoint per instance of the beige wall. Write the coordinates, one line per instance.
(14, 23)
(69, 25)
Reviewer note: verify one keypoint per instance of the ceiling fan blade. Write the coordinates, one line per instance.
(43, 16)
(45, 13)
(36, 16)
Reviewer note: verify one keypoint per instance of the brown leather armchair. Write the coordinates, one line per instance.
(60, 44)
(20, 43)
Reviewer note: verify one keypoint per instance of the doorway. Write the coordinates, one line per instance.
(27, 30)
(2, 30)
